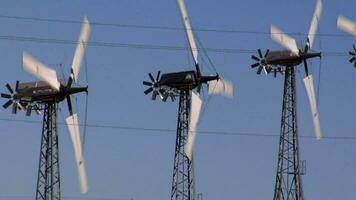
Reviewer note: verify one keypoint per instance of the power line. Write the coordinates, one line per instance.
(171, 28)
(139, 46)
(172, 131)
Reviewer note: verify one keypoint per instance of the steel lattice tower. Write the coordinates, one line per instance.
(183, 177)
(48, 181)
(288, 180)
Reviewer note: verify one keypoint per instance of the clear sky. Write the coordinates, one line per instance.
(137, 163)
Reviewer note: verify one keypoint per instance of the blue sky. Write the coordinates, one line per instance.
(128, 163)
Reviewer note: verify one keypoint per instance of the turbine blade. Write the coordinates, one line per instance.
(314, 23)
(8, 86)
(259, 53)
(284, 40)
(266, 54)
(221, 87)
(148, 90)
(346, 25)
(188, 30)
(14, 108)
(80, 50)
(309, 86)
(40, 71)
(196, 104)
(255, 65)
(259, 70)
(158, 75)
(151, 77)
(73, 126)
(7, 96)
(147, 83)
(7, 104)
(255, 58)
(351, 60)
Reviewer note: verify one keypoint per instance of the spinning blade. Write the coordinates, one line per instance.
(309, 86)
(222, 87)
(284, 40)
(80, 50)
(73, 126)
(39, 70)
(346, 25)
(314, 24)
(195, 108)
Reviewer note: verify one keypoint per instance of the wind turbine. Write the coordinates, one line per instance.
(44, 96)
(186, 85)
(288, 180)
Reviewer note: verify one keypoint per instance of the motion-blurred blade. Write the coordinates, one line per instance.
(80, 50)
(309, 86)
(40, 71)
(196, 104)
(259, 53)
(148, 90)
(73, 126)
(221, 87)
(188, 30)
(7, 96)
(284, 40)
(346, 25)
(7, 104)
(8, 86)
(314, 23)
(259, 70)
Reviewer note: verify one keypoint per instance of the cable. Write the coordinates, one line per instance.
(171, 28)
(173, 131)
(139, 46)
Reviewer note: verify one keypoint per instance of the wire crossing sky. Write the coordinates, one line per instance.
(130, 139)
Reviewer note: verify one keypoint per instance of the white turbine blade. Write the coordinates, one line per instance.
(284, 40)
(188, 30)
(222, 87)
(309, 86)
(195, 108)
(39, 70)
(73, 126)
(315, 21)
(80, 50)
(346, 25)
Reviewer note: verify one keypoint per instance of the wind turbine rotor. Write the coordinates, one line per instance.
(261, 62)
(154, 87)
(12, 99)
